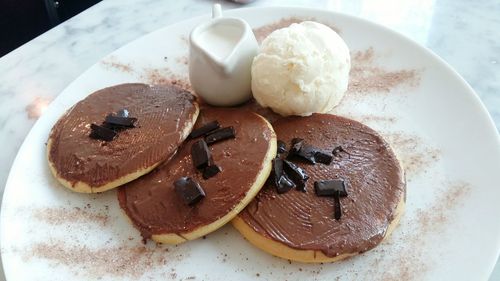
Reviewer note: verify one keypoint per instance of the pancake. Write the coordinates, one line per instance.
(165, 116)
(159, 213)
(300, 226)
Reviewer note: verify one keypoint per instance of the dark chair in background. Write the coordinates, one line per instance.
(23, 20)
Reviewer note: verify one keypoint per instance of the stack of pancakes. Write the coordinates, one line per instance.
(146, 159)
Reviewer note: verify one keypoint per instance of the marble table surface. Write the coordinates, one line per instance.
(463, 33)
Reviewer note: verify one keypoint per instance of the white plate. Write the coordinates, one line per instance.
(437, 125)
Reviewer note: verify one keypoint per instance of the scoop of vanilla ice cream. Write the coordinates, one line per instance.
(301, 69)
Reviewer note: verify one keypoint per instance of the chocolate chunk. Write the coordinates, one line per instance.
(296, 145)
(300, 186)
(304, 151)
(308, 152)
(330, 187)
(117, 121)
(298, 176)
(280, 179)
(220, 134)
(323, 157)
(200, 154)
(190, 191)
(120, 120)
(277, 168)
(295, 172)
(101, 133)
(337, 207)
(211, 171)
(336, 151)
(111, 125)
(284, 184)
(205, 129)
(335, 188)
(281, 147)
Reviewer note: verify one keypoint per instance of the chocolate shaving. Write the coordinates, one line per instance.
(280, 179)
(296, 145)
(211, 171)
(298, 176)
(338, 209)
(205, 129)
(329, 187)
(307, 152)
(190, 191)
(277, 168)
(284, 184)
(323, 157)
(101, 133)
(113, 123)
(335, 188)
(220, 135)
(201, 155)
(281, 147)
(119, 122)
(336, 151)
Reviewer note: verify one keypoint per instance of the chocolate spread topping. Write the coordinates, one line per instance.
(151, 202)
(162, 113)
(304, 221)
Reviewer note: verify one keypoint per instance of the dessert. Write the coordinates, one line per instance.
(118, 134)
(346, 207)
(330, 188)
(204, 185)
(301, 69)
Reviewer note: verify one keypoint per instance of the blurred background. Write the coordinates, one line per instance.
(23, 20)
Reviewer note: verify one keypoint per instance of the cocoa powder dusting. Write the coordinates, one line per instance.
(58, 216)
(153, 76)
(113, 63)
(371, 118)
(262, 32)
(413, 154)
(363, 57)
(119, 261)
(182, 60)
(449, 199)
(366, 77)
(407, 258)
(162, 76)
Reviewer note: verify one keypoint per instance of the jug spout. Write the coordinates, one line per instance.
(225, 68)
(220, 42)
(219, 65)
(222, 67)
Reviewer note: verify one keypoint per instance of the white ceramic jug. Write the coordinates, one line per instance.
(221, 52)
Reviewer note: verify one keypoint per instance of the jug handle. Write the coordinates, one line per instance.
(216, 11)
